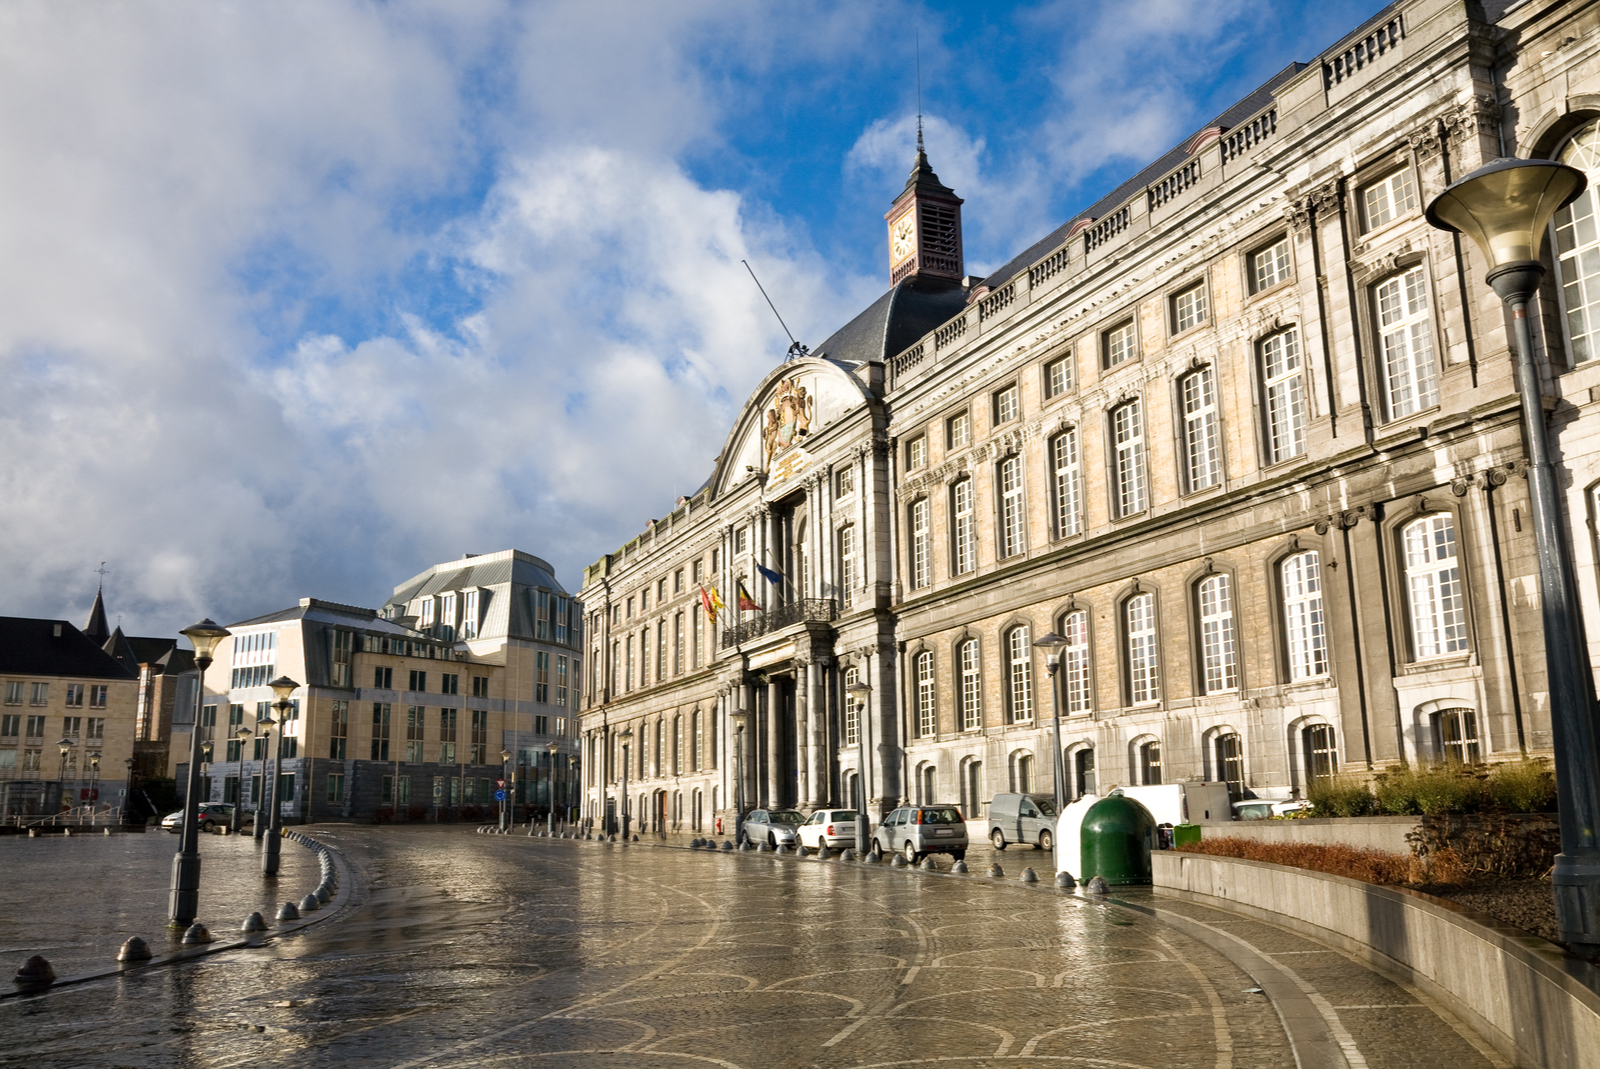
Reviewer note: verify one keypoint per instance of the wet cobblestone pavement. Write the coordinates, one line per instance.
(468, 950)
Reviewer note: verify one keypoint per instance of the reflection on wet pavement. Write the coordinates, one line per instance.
(485, 950)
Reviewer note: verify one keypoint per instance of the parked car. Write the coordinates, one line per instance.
(213, 815)
(835, 827)
(919, 830)
(1265, 808)
(1022, 818)
(775, 827)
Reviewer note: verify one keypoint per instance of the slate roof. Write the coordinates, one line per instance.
(131, 652)
(96, 628)
(911, 309)
(32, 647)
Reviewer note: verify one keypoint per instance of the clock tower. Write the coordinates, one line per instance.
(925, 226)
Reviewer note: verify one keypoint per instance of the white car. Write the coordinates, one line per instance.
(835, 827)
(1267, 808)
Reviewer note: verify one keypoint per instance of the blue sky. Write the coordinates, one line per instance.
(299, 298)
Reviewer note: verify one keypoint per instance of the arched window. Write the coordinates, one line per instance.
(1577, 248)
(925, 784)
(1318, 750)
(1433, 587)
(1083, 775)
(921, 544)
(1019, 676)
(852, 707)
(1022, 773)
(1305, 632)
(1230, 763)
(697, 755)
(1218, 653)
(1013, 515)
(923, 667)
(1285, 395)
(1075, 661)
(1144, 659)
(972, 793)
(1202, 448)
(1150, 763)
(1455, 736)
(1127, 433)
(964, 532)
(1405, 335)
(971, 686)
(852, 790)
(677, 744)
(847, 564)
(1066, 505)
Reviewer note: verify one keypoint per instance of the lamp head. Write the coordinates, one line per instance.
(94, 761)
(1505, 207)
(128, 763)
(1050, 641)
(283, 686)
(205, 635)
(553, 747)
(858, 688)
(66, 745)
(625, 734)
(505, 755)
(265, 723)
(244, 733)
(206, 748)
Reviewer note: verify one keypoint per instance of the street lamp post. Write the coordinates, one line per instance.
(1051, 643)
(505, 793)
(626, 734)
(861, 693)
(740, 719)
(127, 790)
(550, 791)
(1505, 206)
(94, 784)
(184, 896)
(236, 817)
(283, 686)
(66, 748)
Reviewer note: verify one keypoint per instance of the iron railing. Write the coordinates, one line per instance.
(805, 610)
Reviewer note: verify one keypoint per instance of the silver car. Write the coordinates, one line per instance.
(834, 827)
(919, 830)
(775, 827)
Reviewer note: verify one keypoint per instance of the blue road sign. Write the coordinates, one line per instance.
(499, 796)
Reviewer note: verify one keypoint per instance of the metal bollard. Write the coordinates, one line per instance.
(135, 949)
(197, 934)
(35, 972)
(847, 854)
(253, 923)
(897, 862)
(928, 865)
(959, 867)
(1029, 876)
(727, 845)
(323, 894)
(996, 870)
(288, 912)
(1065, 881)
(1097, 886)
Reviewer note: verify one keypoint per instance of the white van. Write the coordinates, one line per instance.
(1187, 802)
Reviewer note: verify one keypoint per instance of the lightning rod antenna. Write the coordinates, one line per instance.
(795, 348)
(919, 88)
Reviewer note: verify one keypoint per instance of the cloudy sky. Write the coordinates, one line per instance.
(299, 298)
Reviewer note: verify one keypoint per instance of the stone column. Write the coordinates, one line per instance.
(801, 735)
(815, 791)
(775, 730)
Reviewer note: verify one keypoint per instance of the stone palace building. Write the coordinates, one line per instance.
(1244, 433)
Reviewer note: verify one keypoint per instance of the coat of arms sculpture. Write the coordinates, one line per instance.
(789, 418)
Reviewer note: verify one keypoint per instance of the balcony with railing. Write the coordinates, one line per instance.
(805, 610)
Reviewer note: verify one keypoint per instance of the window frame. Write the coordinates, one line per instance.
(1140, 453)
(1020, 698)
(1202, 656)
(1406, 327)
(1077, 681)
(1253, 286)
(925, 689)
(963, 526)
(1065, 360)
(919, 543)
(1291, 332)
(1128, 325)
(963, 420)
(1125, 641)
(1010, 390)
(1175, 326)
(1592, 194)
(1207, 417)
(1384, 179)
(968, 662)
(1406, 573)
(1011, 508)
(1285, 617)
(917, 453)
(1066, 502)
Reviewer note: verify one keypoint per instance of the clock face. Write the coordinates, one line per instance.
(903, 237)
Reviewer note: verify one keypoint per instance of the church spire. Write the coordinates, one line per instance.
(925, 224)
(96, 627)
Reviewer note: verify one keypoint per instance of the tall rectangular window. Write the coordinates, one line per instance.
(1019, 676)
(1007, 404)
(1389, 198)
(341, 642)
(1433, 587)
(380, 731)
(847, 484)
(1190, 308)
(699, 614)
(921, 543)
(480, 737)
(661, 650)
(1144, 658)
(1270, 265)
(1202, 441)
(1075, 661)
(1285, 396)
(1059, 376)
(697, 733)
(563, 611)
(541, 618)
(1410, 380)
(1118, 344)
(1305, 631)
(1127, 430)
(926, 719)
(414, 724)
(847, 563)
(964, 531)
(338, 729)
(1067, 489)
(1013, 515)
(852, 708)
(1219, 657)
(541, 677)
(958, 431)
(469, 614)
(971, 686)
(677, 644)
(1578, 249)
(561, 680)
(917, 452)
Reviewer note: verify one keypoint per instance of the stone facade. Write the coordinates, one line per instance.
(1245, 433)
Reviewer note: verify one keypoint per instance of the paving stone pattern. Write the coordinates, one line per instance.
(473, 950)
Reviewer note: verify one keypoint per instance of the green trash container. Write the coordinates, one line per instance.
(1118, 835)
(1185, 834)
